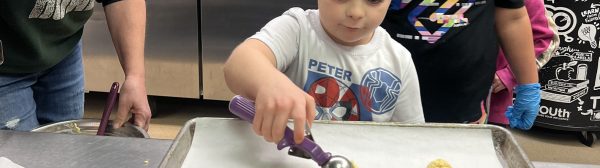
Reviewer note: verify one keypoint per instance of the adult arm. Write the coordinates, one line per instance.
(127, 25)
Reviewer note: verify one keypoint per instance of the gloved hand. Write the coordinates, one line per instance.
(524, 110)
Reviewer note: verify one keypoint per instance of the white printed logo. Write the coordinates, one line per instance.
(57, 9)
(565, 20)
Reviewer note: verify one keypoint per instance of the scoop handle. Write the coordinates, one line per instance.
(110, 103)
(245, 109)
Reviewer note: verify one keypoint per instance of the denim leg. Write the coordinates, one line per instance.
(59, 92)
(17, 106)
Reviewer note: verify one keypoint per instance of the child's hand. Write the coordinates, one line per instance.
(497, 85)
(277, 103)
(523, 112)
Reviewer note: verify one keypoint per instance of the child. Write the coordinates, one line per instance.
(333, 63)
(502, 87)
(454, 46)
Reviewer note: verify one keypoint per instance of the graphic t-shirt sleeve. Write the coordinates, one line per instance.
(510, 3)
(281, 35)
(409, 108)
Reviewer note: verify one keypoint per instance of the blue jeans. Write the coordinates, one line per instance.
(56, 94)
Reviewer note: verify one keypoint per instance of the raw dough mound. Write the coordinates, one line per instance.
(439, 163)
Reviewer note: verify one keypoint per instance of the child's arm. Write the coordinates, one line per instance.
(514, 31)
(250, 71)
(542, 38)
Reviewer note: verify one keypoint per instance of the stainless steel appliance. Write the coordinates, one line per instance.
(187, 43)
(171, 55)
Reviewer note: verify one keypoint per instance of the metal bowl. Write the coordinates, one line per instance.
(90, 127)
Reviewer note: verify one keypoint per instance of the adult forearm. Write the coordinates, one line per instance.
(514, 31)
(127, 24)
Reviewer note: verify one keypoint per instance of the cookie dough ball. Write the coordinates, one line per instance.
(439, 163)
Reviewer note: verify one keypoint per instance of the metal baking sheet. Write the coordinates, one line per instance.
(401, 145)
(51, 150)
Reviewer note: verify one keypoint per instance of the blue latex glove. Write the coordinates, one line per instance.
(524, 110)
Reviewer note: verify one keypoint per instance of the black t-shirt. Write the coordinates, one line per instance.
(454, 48)
(38, 34)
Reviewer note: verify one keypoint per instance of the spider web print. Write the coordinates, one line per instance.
(334, 99)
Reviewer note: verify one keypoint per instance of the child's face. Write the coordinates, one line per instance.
(352, 22)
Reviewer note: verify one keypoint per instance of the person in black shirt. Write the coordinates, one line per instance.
(41, 67)
(454, 47)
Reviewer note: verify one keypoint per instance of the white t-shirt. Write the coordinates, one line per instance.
(371, 82)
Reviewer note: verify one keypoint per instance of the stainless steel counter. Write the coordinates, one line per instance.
(41, 150)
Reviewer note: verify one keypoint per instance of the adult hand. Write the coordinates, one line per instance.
(133, 99)
(524, 110)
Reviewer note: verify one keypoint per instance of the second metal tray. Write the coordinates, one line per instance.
(508, 151)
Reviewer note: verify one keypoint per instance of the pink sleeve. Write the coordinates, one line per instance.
(507, 78)
(542, 34)
(504, 72)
